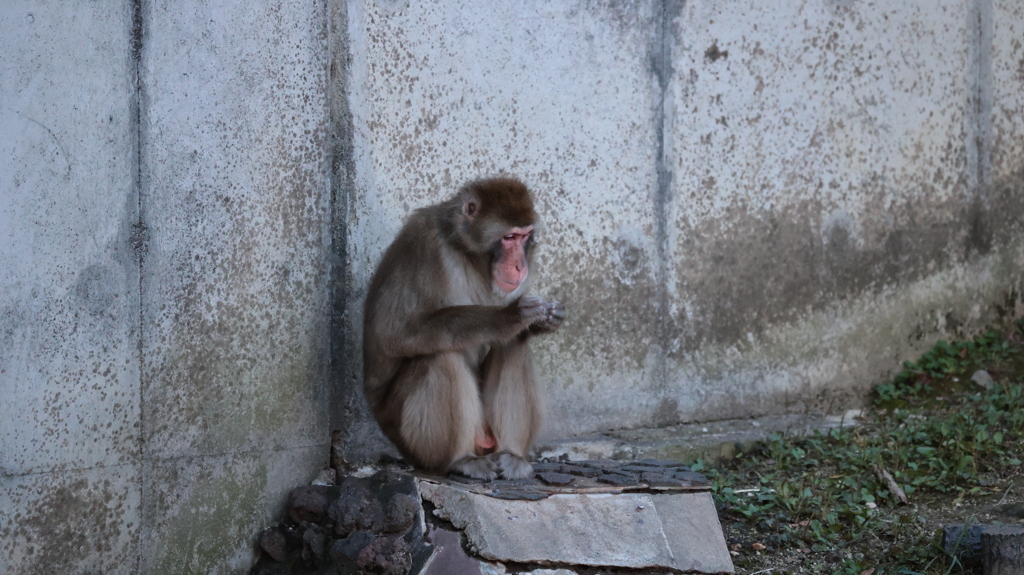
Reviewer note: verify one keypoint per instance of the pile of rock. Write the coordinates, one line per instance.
(368, 525)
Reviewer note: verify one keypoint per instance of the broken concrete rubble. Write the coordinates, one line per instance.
(570, 517)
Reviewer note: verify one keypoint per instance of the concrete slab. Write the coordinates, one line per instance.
(1001, 32)
(69, 281)
(710, 441)
(629, 530)
(236, 198)
(202, 514)
(86, 521)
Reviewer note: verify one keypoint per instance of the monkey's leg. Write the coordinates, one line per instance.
(442, 416)
(512, 406)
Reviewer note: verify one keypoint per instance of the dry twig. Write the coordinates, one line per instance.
(894, 487)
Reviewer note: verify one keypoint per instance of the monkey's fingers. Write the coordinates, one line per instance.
(554, 313)
(531, 309)
(556, 310)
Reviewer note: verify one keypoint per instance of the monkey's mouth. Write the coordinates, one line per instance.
(507, 286)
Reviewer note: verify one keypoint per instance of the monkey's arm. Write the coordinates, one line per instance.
(461, 327)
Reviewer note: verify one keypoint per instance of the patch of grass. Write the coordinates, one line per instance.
(943, 364)
(820, 503)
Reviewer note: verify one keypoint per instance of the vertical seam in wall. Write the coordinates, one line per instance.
(982, 93)
(979, 94)
(138, 241)
(342, 171)
(661, 66)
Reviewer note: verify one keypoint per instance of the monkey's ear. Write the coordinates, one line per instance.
(470, 206)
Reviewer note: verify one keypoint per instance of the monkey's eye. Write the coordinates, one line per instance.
(510, 237)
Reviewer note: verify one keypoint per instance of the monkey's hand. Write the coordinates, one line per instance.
(530, 310)
(555, 313)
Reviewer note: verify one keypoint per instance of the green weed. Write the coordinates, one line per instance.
(821, 495)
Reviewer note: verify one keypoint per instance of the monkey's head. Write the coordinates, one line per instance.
(497, 220)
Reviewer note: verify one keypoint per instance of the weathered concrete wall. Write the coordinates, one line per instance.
(831, 187)
(70, 465)
(164, 209)
(235, 196)
(749, 208)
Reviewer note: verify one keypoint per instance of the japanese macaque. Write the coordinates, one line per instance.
(447, 365)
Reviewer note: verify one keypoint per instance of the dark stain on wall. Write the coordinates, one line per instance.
(713, 53)
(750, 270)
(77, 526)
(96, 289)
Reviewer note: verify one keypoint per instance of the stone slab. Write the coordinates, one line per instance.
(592, 476)
(630, 530)
(711, 440)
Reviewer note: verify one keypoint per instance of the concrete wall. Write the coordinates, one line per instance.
(750, 208)
(70, 450)
(165, 220)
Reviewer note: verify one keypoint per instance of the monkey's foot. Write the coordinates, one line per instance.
(511, 466)
(476, 467)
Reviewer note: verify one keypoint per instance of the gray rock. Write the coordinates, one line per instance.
(547, 466)
(524, 494)
(617, 479)
(386, 556)
(665, 463)
(983, 378)
(664, 482)
(1002, 549)
(579, 471)
(598, 463)
(325, 477)
(309, 503)
(273, 542)
(400, 513)
(552, 478)
(635, 468)
(449, 557)
(350, 546)
(314, 546)
(356, 509)
(963, 543)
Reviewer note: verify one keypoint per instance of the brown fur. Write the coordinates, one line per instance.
(446, 354)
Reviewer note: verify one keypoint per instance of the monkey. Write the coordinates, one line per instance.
(448, 371)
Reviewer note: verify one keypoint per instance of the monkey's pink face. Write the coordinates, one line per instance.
(511, 269)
